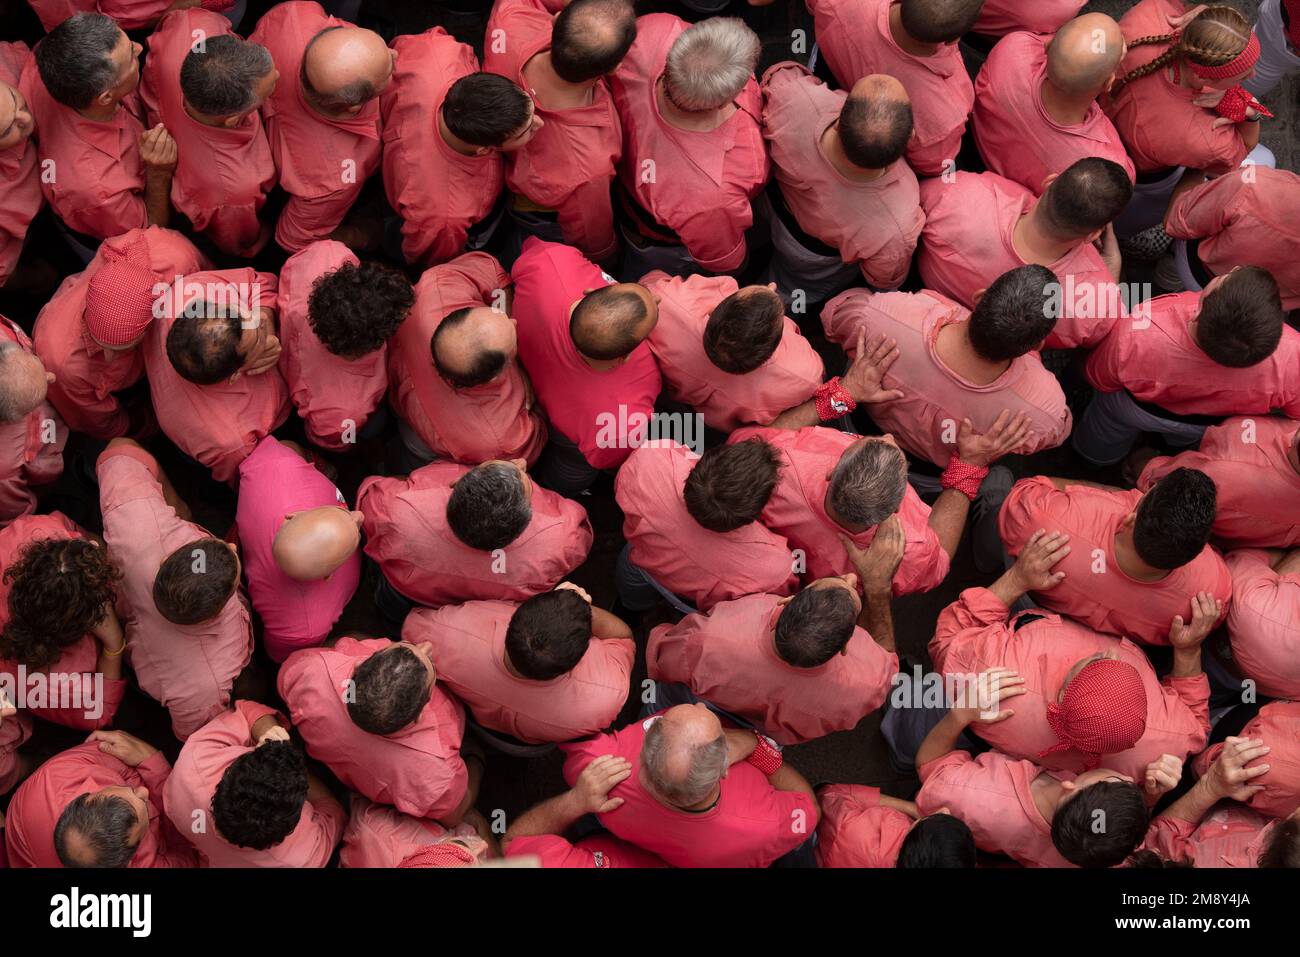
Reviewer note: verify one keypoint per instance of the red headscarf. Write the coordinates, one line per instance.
(446, 854)
(121, 297)
(1103, 711)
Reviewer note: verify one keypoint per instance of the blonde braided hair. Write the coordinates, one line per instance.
(1217, 36)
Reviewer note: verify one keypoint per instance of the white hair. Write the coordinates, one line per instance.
(708, 762)
(710, 63)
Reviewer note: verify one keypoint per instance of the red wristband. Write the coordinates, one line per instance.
(1235, 102)
(833, 400)
(962, 476)
(765, 756)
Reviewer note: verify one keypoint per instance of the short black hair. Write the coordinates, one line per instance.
(489, 507)
(218, 78)
(940, 21)
(487, 364)
(730, 485)
(203, 344)
(548, 634)
(195, 581)
(605, 322)
(1015, 314)
(744, 329)
(1174, 518)
(104, 823)
(484, 109)
(390, 689)
(815, 626)
(1101, 825)
(75, 59)
(259, 799)
(874, 131)
(357, 308)
(939, 840)
(580, 50)
(1240, 322)
(1090, 193)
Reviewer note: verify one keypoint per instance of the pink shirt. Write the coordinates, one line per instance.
(438, 192)
(936, 398)
(797, 510)
(703, 181)
(21, 199)
(1249, 460)
(701, 566)
(129, 14)
(597, 850)
(968, 243)
(417, 769)
(973, 635)
(188, 668)
(606, 414)
(1231, 835)
(751, 825)
(1096, 591)
(407, 534)
(31, 449)
(875, 223)
(39, 803)
(728, 658)
(97, 186)
(334, 396)
(569, 165)
(1264, 623)
(85, 375)
(992, 795)
(1000, 17)
(188, 795)
(1278, 725)
(856, 830)
(273, 482)
(322, 162)
(219, 424)
(223, 174)
(855, 39)
(1240, 223)
(495, 420)
(1160, 362)
(469, 653)
(14, 733)
(788, 378)
(1016, 135)
(380, 836)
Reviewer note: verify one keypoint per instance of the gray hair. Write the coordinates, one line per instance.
(868, 483)
(104, 824)
(708, 762)
(489, 507)
(218, 79)
(15, 404)
(710, 63)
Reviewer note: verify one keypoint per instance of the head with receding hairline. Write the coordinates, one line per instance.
(589, 38)
(875, 123)
(608, 323)
(23, 381)
(312, 544)
(1084, 54)
(684, 756)
(473, 346)
(344, 68)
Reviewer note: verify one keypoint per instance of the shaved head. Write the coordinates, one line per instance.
(343, 68)
(684, 755)
(311, 545)
(610, 322)
(1084, 55)
(472, 346)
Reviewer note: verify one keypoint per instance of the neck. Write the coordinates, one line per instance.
(1066, 109)
(904, 39)
(550, 89)
(1047, 793)
(100, 114)
(1035, 244)
(955, 349)
(833, 149)
(1131, 564)
(455, 142)
(702, 121)
(196, 116)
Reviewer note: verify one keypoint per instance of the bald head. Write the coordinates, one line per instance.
(472, 346)
(590, 38)
(608, 323)
(875, 122)
(1084, 55)
(311, 545)
(23, 382)
(684, 755)
(343, 68)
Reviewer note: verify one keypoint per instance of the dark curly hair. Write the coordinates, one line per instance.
(259, 800)
(57, 592)
(356, 309)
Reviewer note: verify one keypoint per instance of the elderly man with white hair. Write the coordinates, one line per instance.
(694, 157)
(32, 435)
(700, 795)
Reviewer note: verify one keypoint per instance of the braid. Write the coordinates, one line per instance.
(1147, 68)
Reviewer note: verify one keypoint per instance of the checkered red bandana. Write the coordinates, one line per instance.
(1236, 67)
(120, 300)
(447, 854)
(1103, 711)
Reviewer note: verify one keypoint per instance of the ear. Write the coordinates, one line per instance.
(1069, 786)
(1048, 181)
(289, 515)
(230, 122)
(105, 98)
(358, 517)
(234, 549)
(1128, 521)
(1094, 236)
(785, 601)
(979, 294)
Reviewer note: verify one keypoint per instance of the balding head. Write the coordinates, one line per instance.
(473, 346)
(608, 323)
(876, 122)
(344, 68)
(590, 38)
(684, 755)
(311, 545)
(23, 381)
(1085, 53)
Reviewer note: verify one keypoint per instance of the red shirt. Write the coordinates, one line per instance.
(697, 183)
(334, 396)
(21, 199)
(1231, 835)
(380, 836)
(1096, 590)
(751, 825)
(417, 769)
(1278, 725)
(222, 173)
(606, 414)
(31, 449)
(438, 192)
(596, 850)
(129, 14)
(408, 536)
(999, 17)
(568, 165)
(1264, 623)
(495, 420)
(469, 653)
(322, 161)
(856, 830)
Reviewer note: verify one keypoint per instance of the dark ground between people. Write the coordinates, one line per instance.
(513, 784)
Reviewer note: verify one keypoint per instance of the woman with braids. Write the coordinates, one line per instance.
(1178, 104)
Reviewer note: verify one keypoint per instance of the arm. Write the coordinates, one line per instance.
(1065, 483)
(950, 509)
(589, 795)
(1186, 639)
(474, 767)
(863, 382)
(972, 705)
(1033, 569)
(158, 153)
(876, 566)
(1227, 778)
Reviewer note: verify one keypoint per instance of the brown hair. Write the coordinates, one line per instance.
(1217, 36)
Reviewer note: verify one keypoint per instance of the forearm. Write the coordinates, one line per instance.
(878, 617)
(801, 416)
(941, 740)
(1008, 589)
(1064, 483)
(1249, 134)
(112, 646)
(157, 198)
(474, 773)
(1187, 662)
(1193, 805)
(948, 519)
(607, 625)
(786, 778)
(553, 816)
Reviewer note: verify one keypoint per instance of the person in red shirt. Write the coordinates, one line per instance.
(582, 339)
(1277, 727)
(21, 199)
(96, 805)
(322, 120)
(336, 317)
(208, 97)
(380, 836)
(1264, 619)
(561, 178)
(1000, 17)
(131, 14)
(694, 157)
(862, 827)
(110, 174)
(32, 435)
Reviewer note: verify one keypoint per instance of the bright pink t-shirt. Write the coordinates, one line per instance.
(596, 850)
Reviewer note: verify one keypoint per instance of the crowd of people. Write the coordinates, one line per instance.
(805, 326)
